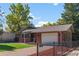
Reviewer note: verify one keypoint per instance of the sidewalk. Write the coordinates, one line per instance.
(74, 52)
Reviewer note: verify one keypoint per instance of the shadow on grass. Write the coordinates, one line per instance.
(6, 48)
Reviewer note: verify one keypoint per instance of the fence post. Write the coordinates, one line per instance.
(62, 48)
(37, 49)
(54, 50)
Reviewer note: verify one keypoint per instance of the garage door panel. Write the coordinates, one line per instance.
(49, 37)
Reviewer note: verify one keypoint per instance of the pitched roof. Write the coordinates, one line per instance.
(50, 28)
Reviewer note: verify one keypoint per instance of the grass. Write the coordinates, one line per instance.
(13, 46)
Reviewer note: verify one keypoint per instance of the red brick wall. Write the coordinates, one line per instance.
(38, 37)
(22, 40)
(60, 36)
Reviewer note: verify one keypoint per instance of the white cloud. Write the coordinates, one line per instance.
(30, 14)
(39, 24)
(55, 4)
(34, 17)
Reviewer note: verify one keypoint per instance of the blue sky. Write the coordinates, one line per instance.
(41, 12)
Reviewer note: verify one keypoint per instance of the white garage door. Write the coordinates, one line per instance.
(49, 37)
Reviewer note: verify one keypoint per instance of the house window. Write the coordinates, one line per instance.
(22, 35)
(27, 35)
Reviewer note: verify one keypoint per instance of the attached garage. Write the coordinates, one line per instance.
(49, 37)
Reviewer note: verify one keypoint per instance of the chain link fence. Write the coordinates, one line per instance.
(54, 48)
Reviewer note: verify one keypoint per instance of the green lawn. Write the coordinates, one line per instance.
(13, 46)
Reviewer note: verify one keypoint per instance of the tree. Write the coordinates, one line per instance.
(61, 22)
(1, 20)
(19, 18)
(71, 14)
(1, 28)
(49, 24)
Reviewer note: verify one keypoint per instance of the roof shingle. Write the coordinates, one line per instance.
(50, 28)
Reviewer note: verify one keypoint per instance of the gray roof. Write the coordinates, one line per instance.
(50, 28)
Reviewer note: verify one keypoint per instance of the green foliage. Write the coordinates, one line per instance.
(19, 18)
(61, 22)
(0, 26)
(49, 24)
(71, 14)
(1, 20)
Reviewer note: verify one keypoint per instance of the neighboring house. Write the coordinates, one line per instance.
(7, 37)
(58, 33)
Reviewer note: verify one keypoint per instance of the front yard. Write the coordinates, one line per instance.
(13, 46)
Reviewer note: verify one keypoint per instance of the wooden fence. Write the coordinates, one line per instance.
(7, 36)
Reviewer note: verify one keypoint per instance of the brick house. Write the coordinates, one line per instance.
(58, 33)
